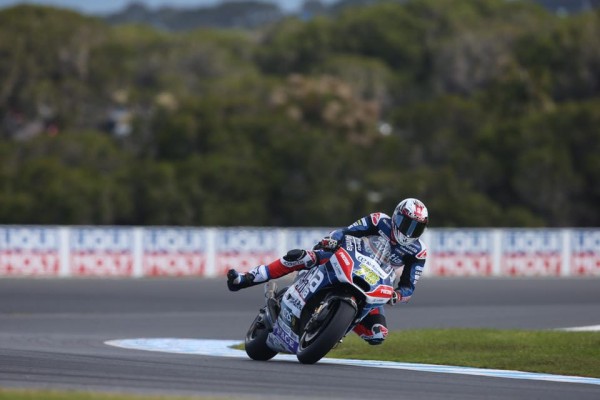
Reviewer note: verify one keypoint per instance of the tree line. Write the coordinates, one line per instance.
(486, 110)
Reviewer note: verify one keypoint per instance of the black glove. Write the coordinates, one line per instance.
(237, 281)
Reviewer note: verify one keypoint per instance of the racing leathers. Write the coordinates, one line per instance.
(411, 258)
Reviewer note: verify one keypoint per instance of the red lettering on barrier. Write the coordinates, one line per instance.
(101, 264)
(29, 263)
(178, 264)
(531, 265)
(461, 265)
(585, 264)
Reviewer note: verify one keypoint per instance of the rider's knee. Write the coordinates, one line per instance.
(294, 255)
(298, 257)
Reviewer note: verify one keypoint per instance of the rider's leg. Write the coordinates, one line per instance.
(294, 260)
(373, 328)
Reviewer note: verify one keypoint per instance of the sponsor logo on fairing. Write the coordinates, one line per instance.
(294, 302)
(345, 258)
(380, 295)
(367, 274)
(309, 283)
(372, 265)
(337, 267)
(287, 315)
(345, 263)
(366, 260)
(289, 340)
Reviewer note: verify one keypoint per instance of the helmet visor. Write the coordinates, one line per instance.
(409, 227)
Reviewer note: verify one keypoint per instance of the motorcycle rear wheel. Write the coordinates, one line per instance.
(316, 342)
(256, 341)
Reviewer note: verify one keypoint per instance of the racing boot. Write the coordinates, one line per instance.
(256, 276)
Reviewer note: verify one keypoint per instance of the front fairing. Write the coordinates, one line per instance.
(365, 264)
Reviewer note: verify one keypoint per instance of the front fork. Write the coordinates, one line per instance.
(271, 310)
(320, 313)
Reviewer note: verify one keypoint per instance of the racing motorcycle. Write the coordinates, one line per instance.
(323, 304)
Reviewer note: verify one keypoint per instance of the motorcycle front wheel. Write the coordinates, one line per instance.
(329, 326)
(256, 341)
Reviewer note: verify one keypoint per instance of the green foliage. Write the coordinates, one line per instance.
(487, 110)
(71, 179)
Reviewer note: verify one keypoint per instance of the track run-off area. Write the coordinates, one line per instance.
(223, 348)
(173, 336)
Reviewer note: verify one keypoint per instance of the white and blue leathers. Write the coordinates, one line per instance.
(411, 257)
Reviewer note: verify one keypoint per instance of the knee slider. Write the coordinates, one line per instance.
(294, 255)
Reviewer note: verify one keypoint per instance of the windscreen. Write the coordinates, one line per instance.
(377, 248)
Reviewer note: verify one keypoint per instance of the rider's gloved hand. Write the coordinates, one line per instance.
(396, 298)
(237, 281)
(328, 243)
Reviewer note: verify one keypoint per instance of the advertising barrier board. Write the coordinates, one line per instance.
(585, 253)
(92, 251)
(29, 251)
(174, 252)
(101, 252)
(457, 252)
(528, 252)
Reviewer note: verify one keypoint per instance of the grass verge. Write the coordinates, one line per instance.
(553, 352)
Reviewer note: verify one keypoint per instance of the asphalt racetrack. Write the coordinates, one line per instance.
(53, 334)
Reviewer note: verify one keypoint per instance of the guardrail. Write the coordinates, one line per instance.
(86, 251)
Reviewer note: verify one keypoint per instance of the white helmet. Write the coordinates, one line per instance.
(409, 221)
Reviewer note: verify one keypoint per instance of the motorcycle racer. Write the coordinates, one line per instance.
(403, 231)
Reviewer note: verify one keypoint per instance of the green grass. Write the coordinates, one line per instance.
(554, 352)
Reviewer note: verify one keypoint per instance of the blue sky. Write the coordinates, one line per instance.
(107, 6)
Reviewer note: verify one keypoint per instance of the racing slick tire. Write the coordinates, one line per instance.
(329, 327)
(256, 341)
